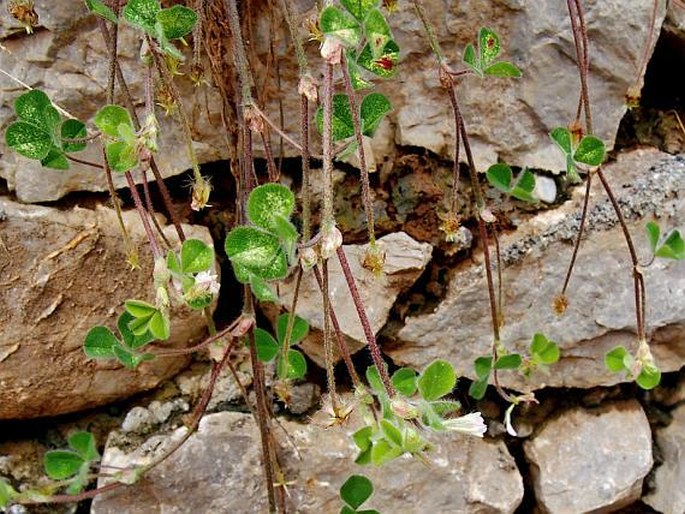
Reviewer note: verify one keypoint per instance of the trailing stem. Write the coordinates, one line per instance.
(364, 320)
(579, 29)
(366, 187)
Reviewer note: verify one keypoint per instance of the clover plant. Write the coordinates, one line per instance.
(263, 251)
(290, 364)
(588, 151)
(41, 133)
(73, 464)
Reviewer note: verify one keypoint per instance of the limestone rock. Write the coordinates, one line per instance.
(218, 471)
(600, 316)
(507, 119)
(63, 272)
(669, 495)
(405, 260)
(591, 460)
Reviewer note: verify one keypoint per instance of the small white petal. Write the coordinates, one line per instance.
(471, 424)
(507, 421)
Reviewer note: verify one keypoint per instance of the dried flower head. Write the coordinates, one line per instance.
(25, 13)
(374, 259)
(200, 195)
(560, 304)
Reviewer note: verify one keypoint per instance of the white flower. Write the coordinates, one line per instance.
(471, 424)
(507, 420)
(207, 281)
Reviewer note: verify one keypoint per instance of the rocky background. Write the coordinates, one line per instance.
(593, 443)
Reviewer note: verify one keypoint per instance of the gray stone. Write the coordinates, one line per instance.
(600, 315)
(669, 494)
(405, 260)
(195, 380)
(64, 272)
(507, 119)
(218, 471)
(137, 420)
(591, 460)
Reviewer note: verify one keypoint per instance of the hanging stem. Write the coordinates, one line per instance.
(366, 187)
(366, 326)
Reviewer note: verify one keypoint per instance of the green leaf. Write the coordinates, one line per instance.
(347, 510)
(7, 493)
(28, 140)
(359, 8)
(615, 359)
(483, 366)
(121, 156)
(362, 438)
(470, 58)
(673, 247)
(262, 291)
(139, 308)
(159, 326)
(100, 9)
(296, 366)
(341, 25)
(257, 251)
(488, 46)
(61, 464)
(404, 380)
(50, 119)
(373, 377)
(80, 480)
(510, 361)
(110, 117)
(477, 388)
(653, 235)
(99, 343)
(563, 139)
(382, 451)
(503, 69)
(267, 201)
(300, 329)
(131, 340)
(649, 377)
(391, 432)
(30, 107)
(444, 407)
(525, 184)
(288, 235)
(356, 490)
(142, 14)
(590, 151)
(172, 262)
(342, 125)
(177, 21)
(129, 359)
(83, 443)
(384, 64)
(196, 256)
(55, 159)
(499, 176)
(544, 350)
(377, 31)
(73, 129)
(374, 107)
(437, 380)
(267, 347)
(356, 77)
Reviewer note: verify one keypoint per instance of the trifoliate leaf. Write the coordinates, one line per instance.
(437, 380)
(99, 343)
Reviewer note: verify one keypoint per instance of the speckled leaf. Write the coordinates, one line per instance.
(267, 201)
(488, 46)
(196, 256)
(31, 106)
(341, 119)
(177, 21)
(377, 31)
(28, 140)
(373, 109)
(142, 13)
(562, 137)
(341, 25)
(503, 69)
(383, 65)
(590, 151)
(359, 8)
(121, 156)
(55, 159)
(110, 117)
(257, 251)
